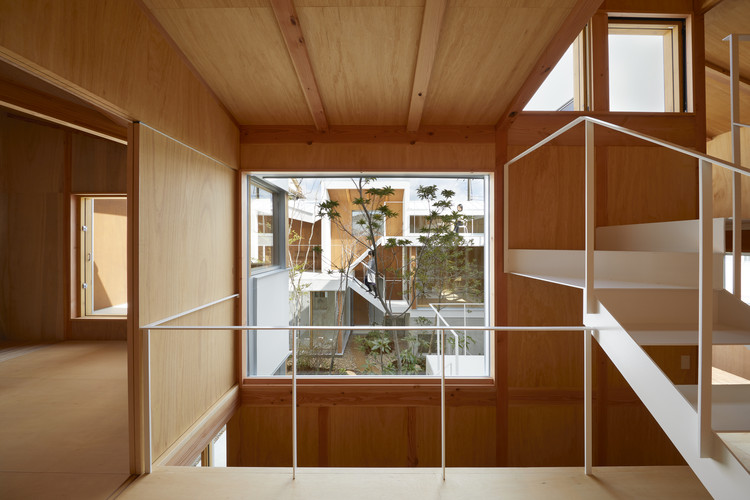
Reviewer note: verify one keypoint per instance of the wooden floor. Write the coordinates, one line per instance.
(621, 483)
(64, 421)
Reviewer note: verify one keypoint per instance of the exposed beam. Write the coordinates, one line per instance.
(295, 44)
(707, 5)
(366, 134)
(428, 44)
(56, 110)
(721, 74)
(570, 28)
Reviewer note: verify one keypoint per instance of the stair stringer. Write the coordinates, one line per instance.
(722, 474)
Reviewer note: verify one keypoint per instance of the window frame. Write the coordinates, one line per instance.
(674, 32)
(407, 382)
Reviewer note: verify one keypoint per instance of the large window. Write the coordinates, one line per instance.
(429, 268)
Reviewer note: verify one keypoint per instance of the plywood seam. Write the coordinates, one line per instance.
(187, 146)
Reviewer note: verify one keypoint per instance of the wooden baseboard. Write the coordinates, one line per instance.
(196, 438)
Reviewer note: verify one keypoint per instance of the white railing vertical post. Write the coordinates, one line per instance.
(705, 307)
(589, 299)
(294, 403)
(589, 302)
(587, 404)
(442, 406)
(506, 217)
(734, 92)
(147, 427)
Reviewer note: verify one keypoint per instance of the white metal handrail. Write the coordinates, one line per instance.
(439, 316)
(705, 281)
(146, 375)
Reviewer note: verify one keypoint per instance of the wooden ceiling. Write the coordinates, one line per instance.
(727, 16)
(469, 59)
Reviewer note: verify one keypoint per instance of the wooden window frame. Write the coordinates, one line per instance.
(673, 31)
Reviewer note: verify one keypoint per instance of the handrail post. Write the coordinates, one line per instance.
(734, 92)
(705, 307)
(146, 412)
(294, 403)
(587, 404)
(589, 300)
(442, 406)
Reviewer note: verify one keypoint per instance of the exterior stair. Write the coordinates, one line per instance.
(646, 291)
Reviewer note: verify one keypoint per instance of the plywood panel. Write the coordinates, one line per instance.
(544, 359)
(32, 305)
(98, 329)
(111, 54)
(372, 157)
(470, 437)
(719, 102)
(546, 199)
(258, 83)
(545, 436)
(634, 437)
(190, 370)
(648, 184)
(369, 90)
(186, 220)
(186, 228)
(375, 437)
(721, 147)
(98, 166)
(733, 359)
(478, 67)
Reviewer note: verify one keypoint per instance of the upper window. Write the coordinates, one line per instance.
(645, 65)
(564, 88)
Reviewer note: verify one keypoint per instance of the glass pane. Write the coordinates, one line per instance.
(107, 256)
(636, 73)
(557, 91)
(261, 227)
(431, 273)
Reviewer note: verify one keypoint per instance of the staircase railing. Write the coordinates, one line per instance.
(705, 255)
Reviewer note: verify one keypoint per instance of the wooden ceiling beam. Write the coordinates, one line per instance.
(722, 74)
(56, 110)
(569, 30)
(289, 24)
(707, 5)
(428, 44)
(367, 134)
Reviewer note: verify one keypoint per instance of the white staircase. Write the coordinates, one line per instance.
(646, 293)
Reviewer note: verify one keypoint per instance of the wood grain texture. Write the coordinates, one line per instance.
(432, 21)
(98, 329)
(721, 147)
(364, 56)
(98, 166)
(32, 293)
(479, 69)
(573, 22)
(109, 54)
(291, 30)
(18, 88)
(546, 203)
(185, 234)
(364, 134)
(729, 16)
(369, 157)
(733, 359)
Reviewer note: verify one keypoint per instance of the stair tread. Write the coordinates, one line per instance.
(730, 405)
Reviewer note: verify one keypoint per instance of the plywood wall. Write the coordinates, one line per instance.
(186, 259)
(721, 147)
(39, 285)
(32, 265)
(372, 157)
(111, 54)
